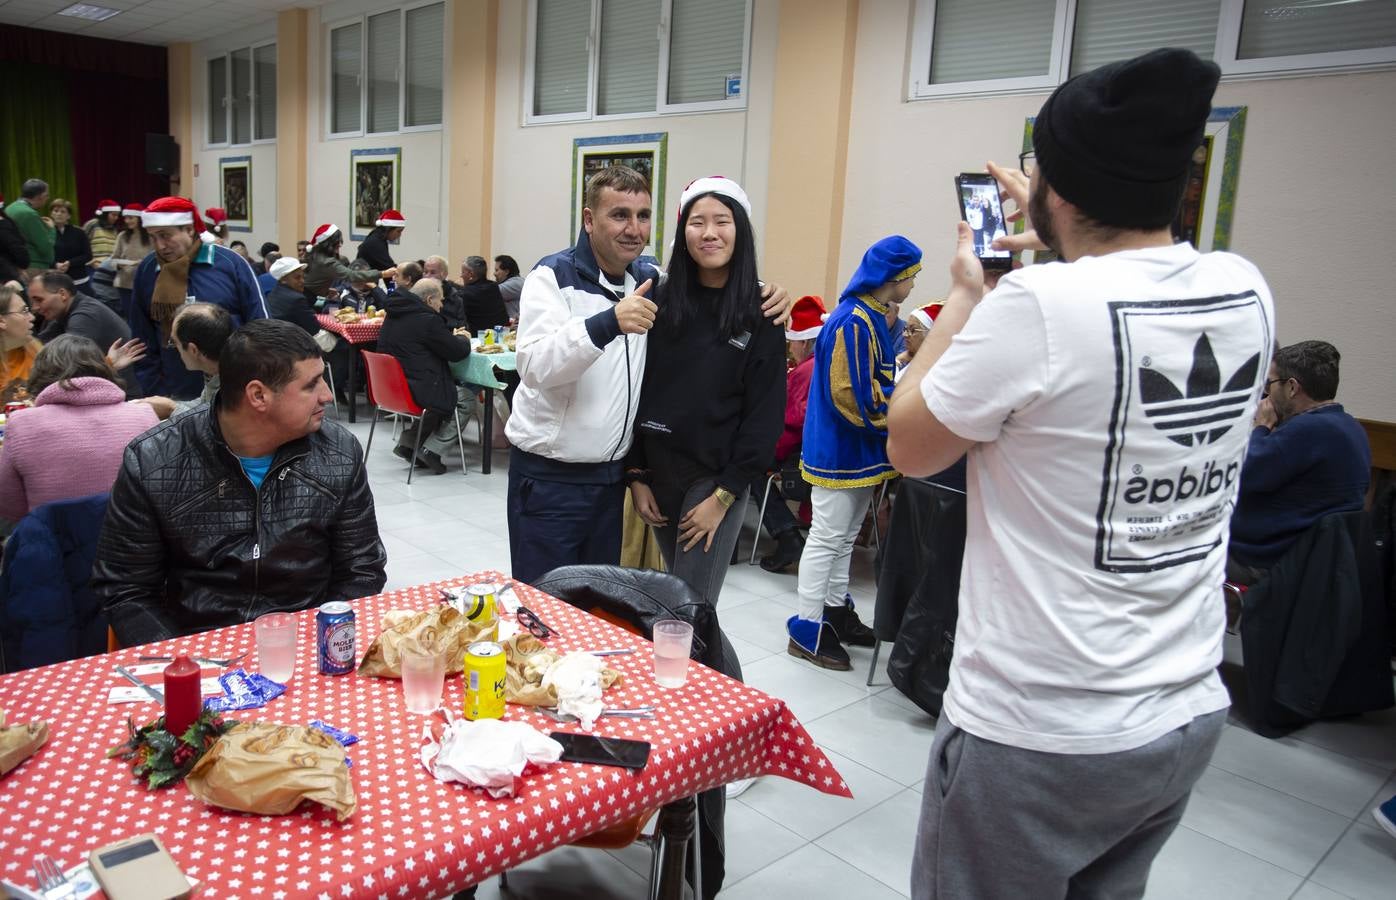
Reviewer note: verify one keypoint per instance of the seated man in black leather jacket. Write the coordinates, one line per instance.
(253, 504)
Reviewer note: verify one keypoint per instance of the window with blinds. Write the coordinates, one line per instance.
(264, 92)
(1111, 30)
(346, 67)
(217, 100)
(627, 71)
(562, 57)
(242, 95)
(706, 43)
(381, 57)
(979, 40)
(1294, 27)
(426, 59)
(604, 57)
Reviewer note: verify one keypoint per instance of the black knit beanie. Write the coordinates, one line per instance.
(1116, 141)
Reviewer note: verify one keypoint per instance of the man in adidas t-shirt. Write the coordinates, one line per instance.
(1104, 402)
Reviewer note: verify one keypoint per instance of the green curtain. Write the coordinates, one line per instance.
(35, 140)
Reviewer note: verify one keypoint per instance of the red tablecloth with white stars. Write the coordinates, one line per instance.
(411, 836)
(364, 331)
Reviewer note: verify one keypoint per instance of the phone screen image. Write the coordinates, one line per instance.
(588, 748)
(982, 210)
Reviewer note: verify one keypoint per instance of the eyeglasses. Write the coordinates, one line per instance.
(23, 311)
(535, 626)
(1265, 391)
(1027, 160)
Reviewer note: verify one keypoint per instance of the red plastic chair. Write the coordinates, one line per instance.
(388, 390)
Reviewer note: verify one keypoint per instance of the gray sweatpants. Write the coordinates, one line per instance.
(1000, 822)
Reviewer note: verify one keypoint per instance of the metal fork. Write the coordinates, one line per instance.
(221, 663)
(639, 712)
(53, 884)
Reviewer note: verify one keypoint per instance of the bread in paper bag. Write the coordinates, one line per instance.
(527, 661)
(20, 742)
(261, 767)
(443, 626)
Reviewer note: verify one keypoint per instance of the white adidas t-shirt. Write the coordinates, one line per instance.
(1112, 398)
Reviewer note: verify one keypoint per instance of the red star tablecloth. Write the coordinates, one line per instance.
(364, 331)
(411, 836)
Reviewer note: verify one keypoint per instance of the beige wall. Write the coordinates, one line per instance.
(292, 127)
(531, 209)
(179, 62)
(1316, 188)
(470, 117)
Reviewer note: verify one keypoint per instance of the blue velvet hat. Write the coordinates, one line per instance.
(893, 258)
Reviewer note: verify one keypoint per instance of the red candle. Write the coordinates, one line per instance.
(182, 695)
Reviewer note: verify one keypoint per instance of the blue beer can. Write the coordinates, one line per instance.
(499, 334)
(334, 636)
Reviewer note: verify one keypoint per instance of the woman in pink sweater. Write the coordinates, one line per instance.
(70, 443)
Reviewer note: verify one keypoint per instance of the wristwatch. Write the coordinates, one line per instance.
(725, 497)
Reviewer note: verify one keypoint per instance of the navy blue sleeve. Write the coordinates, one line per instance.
(149, 371)
(603, 327)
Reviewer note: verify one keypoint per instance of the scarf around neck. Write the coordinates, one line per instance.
(171, 289)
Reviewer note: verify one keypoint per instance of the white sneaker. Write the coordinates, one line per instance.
(739, 787)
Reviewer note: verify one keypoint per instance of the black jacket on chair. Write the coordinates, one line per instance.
(419, 339)
(188, 544)
(643, 597)
(1313, 630)
(291, 306)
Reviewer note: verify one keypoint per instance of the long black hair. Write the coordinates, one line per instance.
(739, 307)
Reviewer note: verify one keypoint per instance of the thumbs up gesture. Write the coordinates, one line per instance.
(635, 313)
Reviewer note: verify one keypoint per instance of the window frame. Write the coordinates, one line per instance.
(662, 106)
(328, 71)
(1225, 55)
(226, 58)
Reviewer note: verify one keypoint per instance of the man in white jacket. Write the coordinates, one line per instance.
(583, 317)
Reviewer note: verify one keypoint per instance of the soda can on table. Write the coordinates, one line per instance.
(478, 603)
(499, 334)
(484, 681)
(334, 637)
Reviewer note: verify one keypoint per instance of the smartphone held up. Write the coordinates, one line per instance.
(982, 209)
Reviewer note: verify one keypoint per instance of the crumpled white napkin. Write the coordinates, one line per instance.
(487, 753)
(577, 679)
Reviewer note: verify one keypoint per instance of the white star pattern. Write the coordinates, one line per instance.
(411, 835)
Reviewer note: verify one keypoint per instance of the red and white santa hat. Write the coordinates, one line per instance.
(216, 215)
(806, 319)
(169, 211)
(133, 209)
(391, 219)
(714, 184)
(107, 206)
(324, 234)
(926, 315)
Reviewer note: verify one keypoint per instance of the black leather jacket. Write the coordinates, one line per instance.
(189, 545)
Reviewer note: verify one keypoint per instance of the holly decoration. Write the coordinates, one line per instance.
(162, 758)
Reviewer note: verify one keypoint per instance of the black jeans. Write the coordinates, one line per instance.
(701, 570)
(778, 519)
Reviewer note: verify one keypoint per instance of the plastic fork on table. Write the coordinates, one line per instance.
(53, 884)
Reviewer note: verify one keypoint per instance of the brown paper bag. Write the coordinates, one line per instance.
(445, 626)
(20, 742)
(261, 767)
(526, 660)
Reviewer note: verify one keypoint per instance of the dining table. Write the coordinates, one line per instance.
(478, 370)
(361, 333)
(411, 834)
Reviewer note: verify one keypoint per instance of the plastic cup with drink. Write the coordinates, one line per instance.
(673, 640)
(276, 645)
(423, 675)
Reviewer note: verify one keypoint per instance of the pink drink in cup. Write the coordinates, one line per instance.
(672, 641)
(276, 645)
(423, 676)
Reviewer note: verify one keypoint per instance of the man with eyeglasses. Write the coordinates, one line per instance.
(1307, 459)
(1103, 402)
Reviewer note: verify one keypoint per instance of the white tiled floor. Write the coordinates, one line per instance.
(1271, 819)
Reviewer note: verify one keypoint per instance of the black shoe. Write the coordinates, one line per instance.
(848, 627)
(789, 547)
(432, 463)
(816, 642)
(403, 452)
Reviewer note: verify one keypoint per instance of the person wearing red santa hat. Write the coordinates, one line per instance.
(217, 232)
(102, 230)
(806, 321)
(373, 252)
(132, 246)
(183, 269)
(917, 325)
(326, 267)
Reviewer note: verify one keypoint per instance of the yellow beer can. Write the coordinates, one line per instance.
(478, 603)
(484, 681)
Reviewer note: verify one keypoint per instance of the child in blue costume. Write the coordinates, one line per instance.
(844, 453)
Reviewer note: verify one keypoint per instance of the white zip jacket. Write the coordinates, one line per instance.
(579, 376)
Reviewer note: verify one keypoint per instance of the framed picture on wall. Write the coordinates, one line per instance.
(235, 191)
(645, 153)
(375, 185)
(1209, 200)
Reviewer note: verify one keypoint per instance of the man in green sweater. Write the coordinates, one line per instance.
(36, 230)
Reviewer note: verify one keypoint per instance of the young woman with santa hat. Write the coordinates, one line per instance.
(373, 252)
